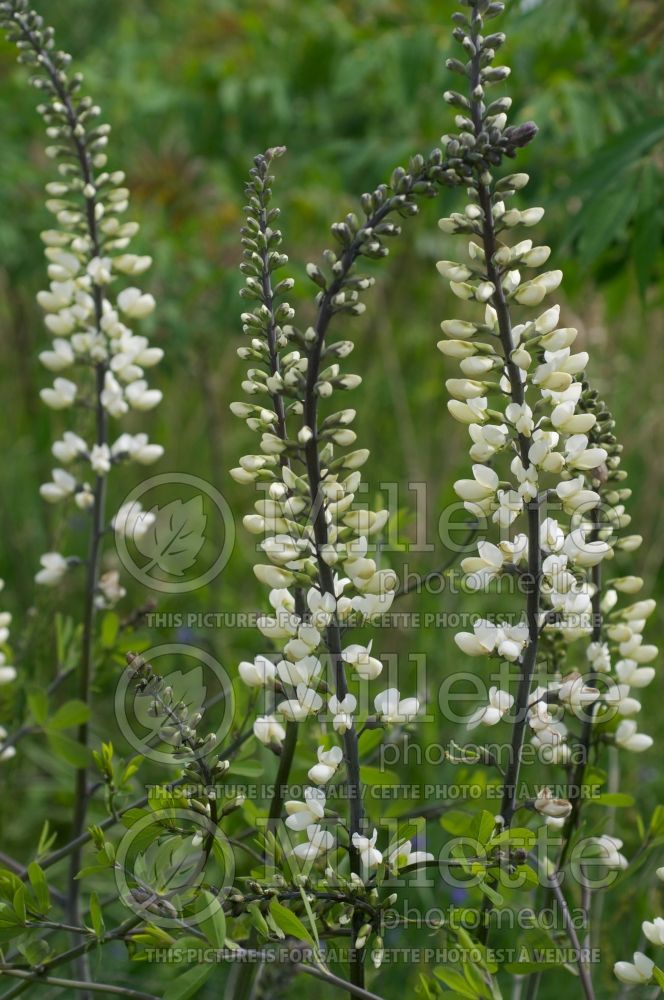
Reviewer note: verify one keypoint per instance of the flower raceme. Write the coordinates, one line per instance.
(546, 484)
(320, 570)
(92, 302)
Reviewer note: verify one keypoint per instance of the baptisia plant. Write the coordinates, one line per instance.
(546, 483)
(92, 308)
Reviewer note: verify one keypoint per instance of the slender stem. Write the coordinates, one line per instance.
(75, 984)
(283, 771)
(73, 954)
(584, 975)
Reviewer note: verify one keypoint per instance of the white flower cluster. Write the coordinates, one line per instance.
(545, 473)
(641, 970)
(320, 569)
(97, 358)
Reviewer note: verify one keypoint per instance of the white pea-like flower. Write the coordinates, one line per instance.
(392, 709)
(269, 731)
(54, 567)
(260, 673)
(547, 804)
(328, 762)
(308, 812)
(500, 703)
(628, 738)
(342, 710)
(370, 856)
(403, 856)
(319, 842)
(635, 973)
(308, 702)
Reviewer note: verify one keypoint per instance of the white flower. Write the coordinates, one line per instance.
(629, 672)
(110, 589)
(366, 666)
(328, 762)
(132, 521)
(500, 702)
(260, 673)
(484, 567)
(574, 693)
(597, 654)
(520, 416)
(307, 703)
(366, 848)
(133, 303)
(628, 738)
(403, 855)
(61, 395)
(137, 448)
(63, 485)
(481, 488)
(100, 459)
(582, 552)
(505, 640)
(269, 731)
(342, 712)
(320, 842)
(273, 576)
(637, 972)
(391, 708)
(654, 930)
(611, 855)
(140, 397)
(54, 567)
(546, 804)
(112, 396)
(302, 672)
(304, 814)
(70, 447)
(61, 357)
(579, 456)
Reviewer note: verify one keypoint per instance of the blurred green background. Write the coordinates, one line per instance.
(192, 91)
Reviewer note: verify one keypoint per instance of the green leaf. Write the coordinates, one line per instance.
(647, 228)
(40, 886)
(189, 983)
(658, 976)
(72, 713)
(517, 836)
(69, 750)
(289, 923)
(19, 903)
(258, 920)
(109, 630)
(456, 822)
(455, 981)
(96, 916)
(214, 924)
(38, 705)
(613, 800)
(310, 914)
(603, 218)
(656, 827)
